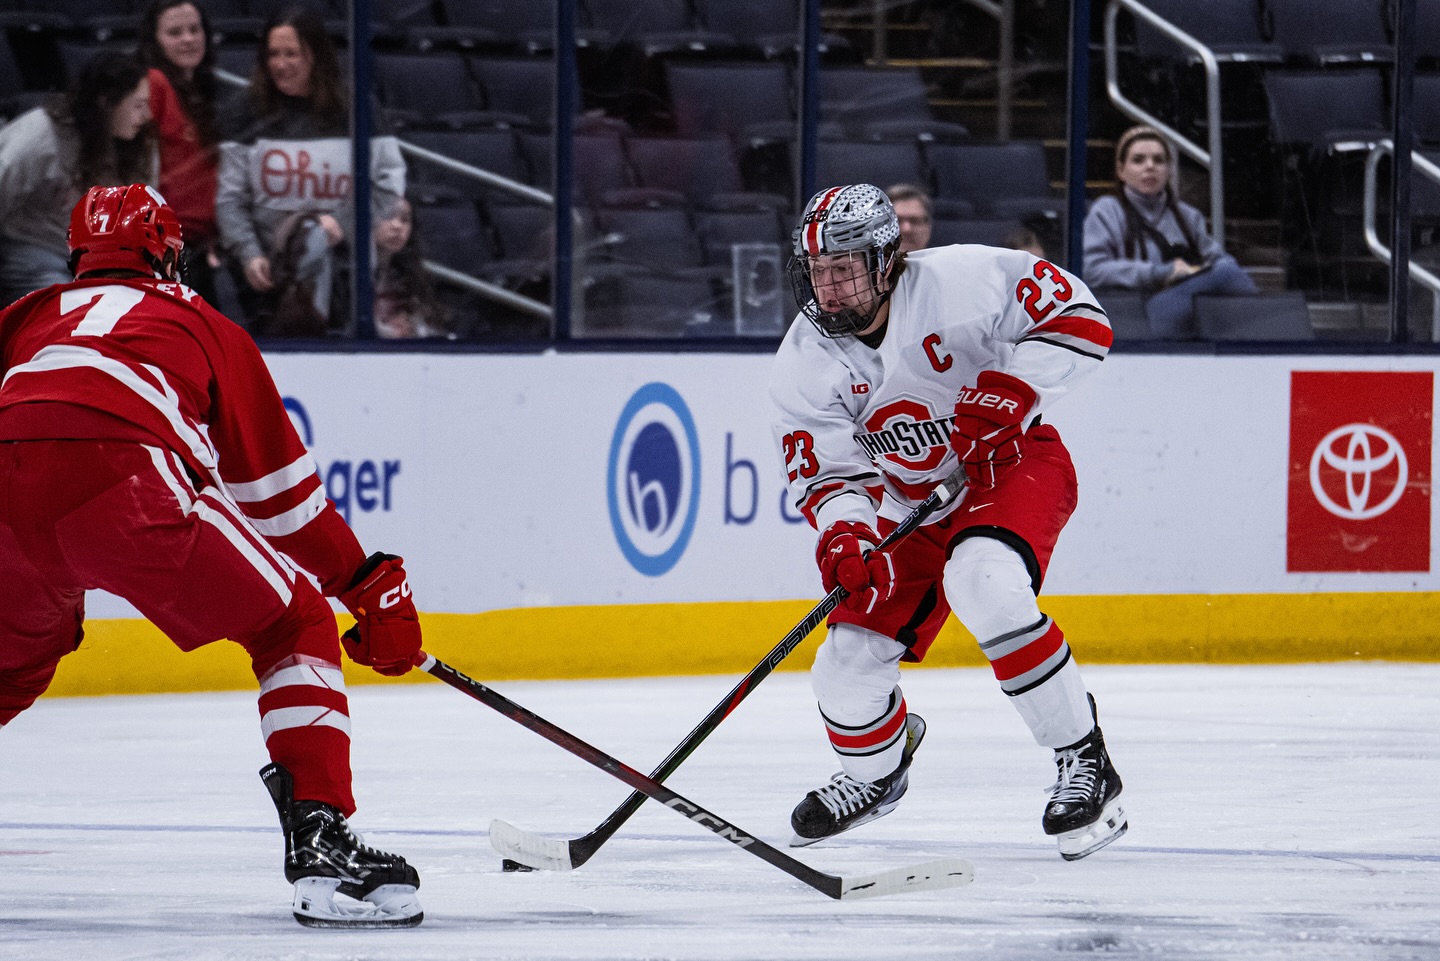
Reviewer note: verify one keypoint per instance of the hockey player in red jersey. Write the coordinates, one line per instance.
(909, 367)
(144, 450)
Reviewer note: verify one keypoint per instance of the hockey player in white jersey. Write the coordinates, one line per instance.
(907, 368)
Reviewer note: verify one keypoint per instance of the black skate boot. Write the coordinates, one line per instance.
(323, 856)
(846, 803)
(1084, 813)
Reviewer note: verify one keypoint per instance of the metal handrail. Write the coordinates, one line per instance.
(1211, 159)
(1420, 164)
(495, 292)
(1004, 13)
(486, 177)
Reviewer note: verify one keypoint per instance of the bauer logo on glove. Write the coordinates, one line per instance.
(989, 434)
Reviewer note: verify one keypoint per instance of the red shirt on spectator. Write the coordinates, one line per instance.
(188, 168)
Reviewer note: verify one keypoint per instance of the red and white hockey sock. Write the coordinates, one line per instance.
(305, 719)
(1034, 667)
(871, 750)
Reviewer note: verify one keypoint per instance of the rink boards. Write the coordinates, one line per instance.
(586, 515)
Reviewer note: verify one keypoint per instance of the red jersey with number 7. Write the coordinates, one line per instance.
(149, 361)
(864, 428)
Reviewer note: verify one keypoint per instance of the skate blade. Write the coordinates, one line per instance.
(796, 841)
(388, 906)
(1085, 841)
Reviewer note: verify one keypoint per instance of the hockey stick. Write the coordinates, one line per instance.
(523, 849)
(944, 873)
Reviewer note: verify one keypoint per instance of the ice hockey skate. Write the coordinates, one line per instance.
(323, 858)
(1084, 812)
(846, 803)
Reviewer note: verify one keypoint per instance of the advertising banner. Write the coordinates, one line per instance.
(1359, 491)
(559, 480)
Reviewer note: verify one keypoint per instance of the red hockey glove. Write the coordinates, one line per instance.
(847, 558)
(989, 434)
(386, 635)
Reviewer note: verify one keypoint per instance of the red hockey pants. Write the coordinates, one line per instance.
(80, 515)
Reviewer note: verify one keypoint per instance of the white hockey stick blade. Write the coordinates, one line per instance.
(532, 850)
(930, 876)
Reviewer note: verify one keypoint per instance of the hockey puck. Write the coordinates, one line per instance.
(510, 867)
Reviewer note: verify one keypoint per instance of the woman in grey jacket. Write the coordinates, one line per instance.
(1143, 238)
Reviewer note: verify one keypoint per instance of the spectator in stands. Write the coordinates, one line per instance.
(1144, 238)
(283, 202)
(912, 205)
(1023, 238)
(405, 301)
(96, 132)
(177, 45)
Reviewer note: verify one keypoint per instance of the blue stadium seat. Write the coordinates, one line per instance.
(1126, 311)
(1234, 30)
(1265, 317)
(768, 28)
(881, 164)
(655, 238)
(720, 230)
(1330, 32)
(429, 86)
(881, 103)
(652, 27)
(520, 86)
(694, 169)
(1001, 179)
(1326, 109)
(952, 230)
(492, 149)
(637, 303)
(450, 228)
(744, 101)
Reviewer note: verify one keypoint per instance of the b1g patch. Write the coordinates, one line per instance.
(1359, 471)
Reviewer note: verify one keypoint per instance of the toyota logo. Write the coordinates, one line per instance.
(1358, 451)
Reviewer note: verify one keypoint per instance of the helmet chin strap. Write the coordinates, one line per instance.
(858, 320)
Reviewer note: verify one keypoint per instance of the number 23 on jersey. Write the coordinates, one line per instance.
(800, 455)
(1038, 302)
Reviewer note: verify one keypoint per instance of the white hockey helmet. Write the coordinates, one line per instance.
(857, 218)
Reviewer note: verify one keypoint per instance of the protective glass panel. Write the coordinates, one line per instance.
(1280, 173)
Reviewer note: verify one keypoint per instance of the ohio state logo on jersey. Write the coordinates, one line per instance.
(906, 433)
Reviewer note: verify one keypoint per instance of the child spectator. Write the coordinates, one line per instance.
(405, 302)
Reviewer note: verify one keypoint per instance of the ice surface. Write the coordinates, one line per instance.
(1276, 812)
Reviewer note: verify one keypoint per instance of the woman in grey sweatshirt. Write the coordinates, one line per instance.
(1143, 238)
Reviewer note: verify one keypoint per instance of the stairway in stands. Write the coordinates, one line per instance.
(956, 46)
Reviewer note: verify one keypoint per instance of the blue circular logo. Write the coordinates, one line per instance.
(300, 419)
(653, 481)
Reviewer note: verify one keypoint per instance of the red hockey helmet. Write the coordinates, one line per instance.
(125, 228)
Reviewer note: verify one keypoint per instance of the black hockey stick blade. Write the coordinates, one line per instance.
(944, 873)
(521, 849)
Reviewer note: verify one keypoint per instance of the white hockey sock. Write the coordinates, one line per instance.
(1057, 711)
(989, 589)
(856, 682)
